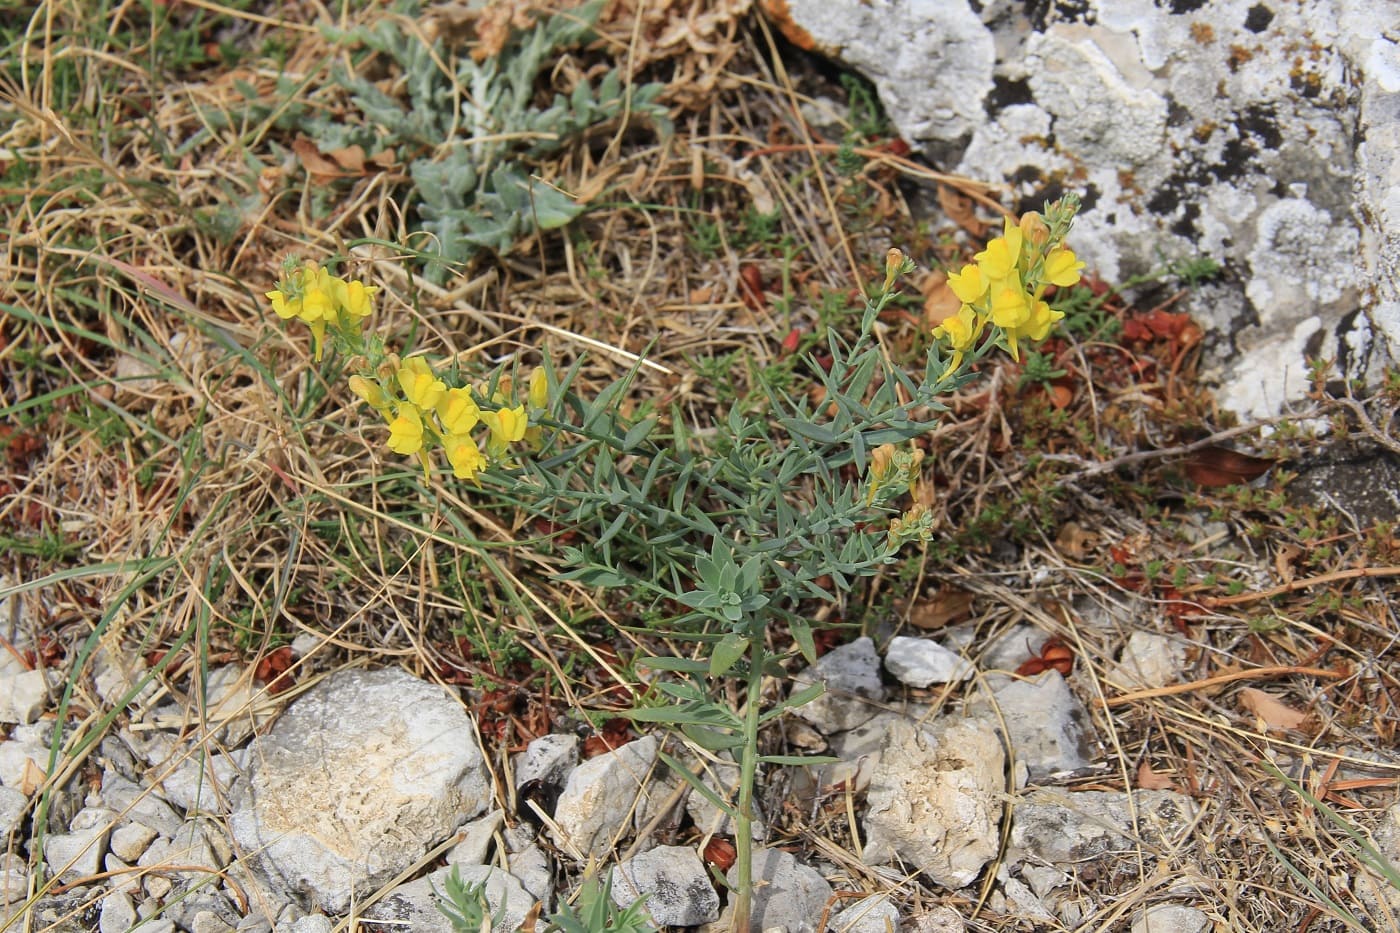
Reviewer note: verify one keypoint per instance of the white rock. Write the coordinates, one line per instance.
(1377, 894)
(1057, 828)
(919, 662)
(787, 893)
(311, 923)
(1022, 902)
(130, 841)
(675, 883)
(14, 878)
(118, 914)
(1049, 726)
(356, 780)
(1171, 918)
(939, 920)
(140, 804)
(23, 696)
(547, 759)
(935, 801)
(12, 807)
(412, 907)
(78, 853)
(201, 783)
(1148, 660)
(851, 674)
(597, 800)
(22, 763)
(532, 866)
(722, 777)
(476, 840)
(873, 914)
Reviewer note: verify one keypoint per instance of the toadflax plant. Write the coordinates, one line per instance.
(722, 538)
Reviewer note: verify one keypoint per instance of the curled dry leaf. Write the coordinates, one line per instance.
(1075, 541)
(960, 210)
(1220, 466)
(945, 607)
(1271, 711)
(1284, 560)
(1147, 779)
(272, 670)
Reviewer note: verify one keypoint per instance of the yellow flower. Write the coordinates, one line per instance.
(539, 388)
(968, 285)
(406, 432)
(369, 392)
(1010, 304)
(962, 331)
(1061, 268)
(284, 306)
(420, 386)
(1036, 328)
(999, 259)
(458, 412)
(507, 426)
(354, 298)
(466, 458)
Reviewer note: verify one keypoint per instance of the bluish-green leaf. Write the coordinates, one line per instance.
(727, 653)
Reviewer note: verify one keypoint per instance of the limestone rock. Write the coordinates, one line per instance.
(12, 807)
(1056, 828)
(597, 800)
(1171, 918)
(476, 840)
(934, 802)
(920, 662)
(851, 674)
(1148, 660)
(873, 914)
(548, 759)
(675, 883)
(23, 696)
(787, 893)
(1049, 726)
(78, 853)
(356, 780)
(413, 907)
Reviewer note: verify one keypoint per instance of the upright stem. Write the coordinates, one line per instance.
(748, 772)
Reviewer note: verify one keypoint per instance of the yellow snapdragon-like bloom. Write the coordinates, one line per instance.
(458, 412)
(356, 299)
(999, 260)
(968, 285)
(406, 432)
(539, 388)
(1037, 327)
(962, 331)
(1010, 304)
(369, 392)
(420, 385)
(507, 426)
(465, 456)
(1061, 268)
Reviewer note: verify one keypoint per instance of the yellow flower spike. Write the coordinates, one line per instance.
(466, 458)
(969, 284)
(420, 386)
(539, 388)
(507, 426)
(1061, 268)
(458, 412)
(406, 432)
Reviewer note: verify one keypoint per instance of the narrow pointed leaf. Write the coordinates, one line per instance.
(727, 653)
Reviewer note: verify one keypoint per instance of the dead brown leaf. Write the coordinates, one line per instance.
(1075, 541)
(960, 210)
(1147, 779)
(1220, 466)
(1270, 710)
(943, 608)
(1284, 559)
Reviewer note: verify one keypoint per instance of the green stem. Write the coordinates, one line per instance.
(748, 773)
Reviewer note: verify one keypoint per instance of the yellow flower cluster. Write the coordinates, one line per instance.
(422, 412)
(1005, 285)
(420, 409)
(321, 300)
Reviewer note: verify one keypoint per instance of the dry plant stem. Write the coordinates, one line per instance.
(748, 773)
(1254, 674)
(1353, 574)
